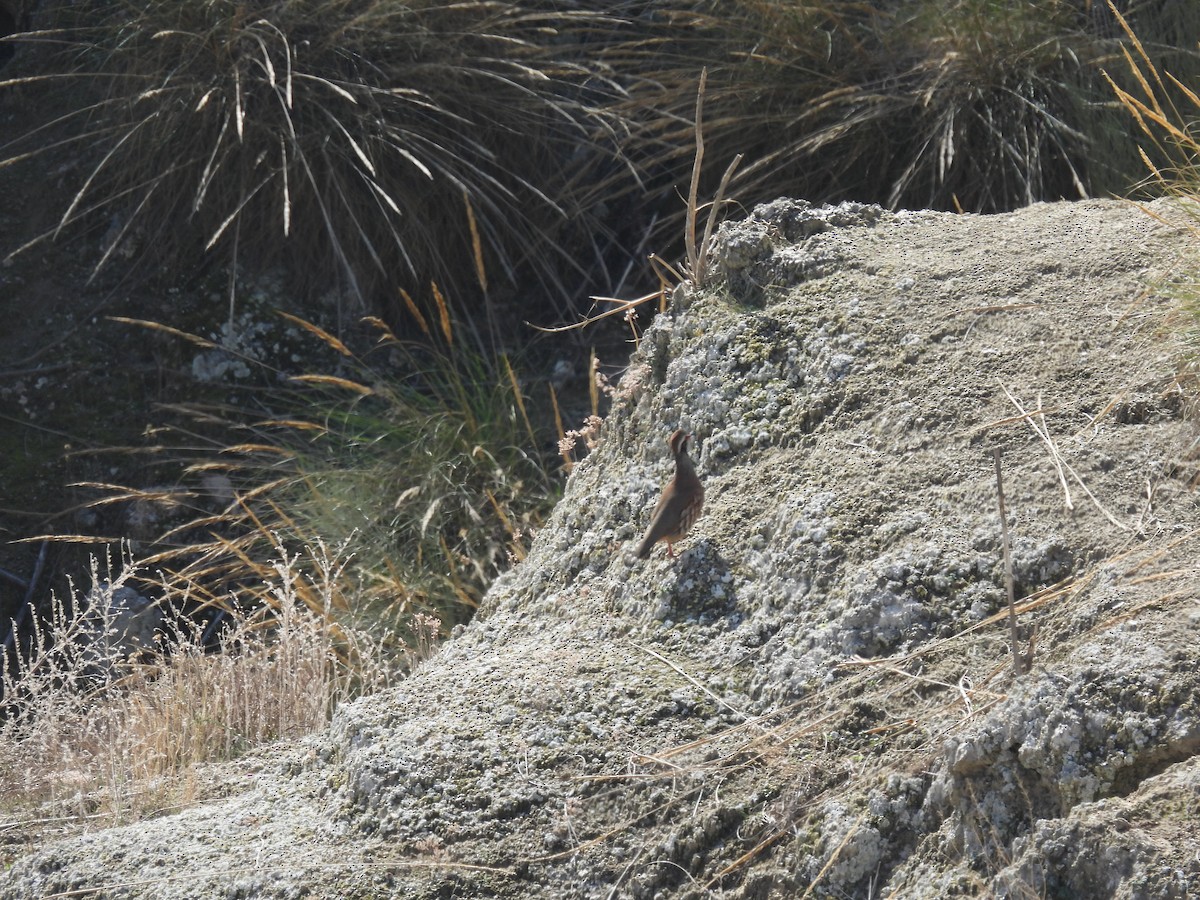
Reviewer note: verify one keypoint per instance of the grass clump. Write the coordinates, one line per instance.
(1164, 105)
(411, 456)
(92, 729)
(359, 144)
(974, 105)
(398, 143)
(427, 458)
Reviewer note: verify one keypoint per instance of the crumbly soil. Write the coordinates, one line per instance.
(816, 697)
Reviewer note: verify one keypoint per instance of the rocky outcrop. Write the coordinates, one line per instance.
(816, 697)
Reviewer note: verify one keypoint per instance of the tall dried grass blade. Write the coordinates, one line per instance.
(239, 112)
(280, 514)
(379, 325)
(1158, 176)
(294, 424)
(285, 188)
(268, 65)
(1136, 71)
(96, 170)
(232, 217)
(248, 448)
(1188, 92)
(266, 488)
(594, 382)
(252, 565)
(1130, 103)
(476, 243)
(337, 89)
(1133, 39)
(210, 167)
(456, 584)
(713, 211)
(694, 188)
(336, 381)
(355, 146)
(383, 195)
(443, 313)
(320, 332)
(504, 519)
(414, 311)
(558, 422)
(429, 514)
(519, 397)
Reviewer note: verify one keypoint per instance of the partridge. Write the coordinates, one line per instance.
(681, 502)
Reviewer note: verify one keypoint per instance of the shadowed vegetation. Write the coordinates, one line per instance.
(1164, 103)
(373, 145)
(425, 462)
(972, 105)
(359, 144)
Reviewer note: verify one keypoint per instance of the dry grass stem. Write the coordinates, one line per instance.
(693, 252)
(1061, 465)
(1020, 664)
(649, 651)
(853, 830)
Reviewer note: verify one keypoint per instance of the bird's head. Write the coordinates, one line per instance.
(678, 441)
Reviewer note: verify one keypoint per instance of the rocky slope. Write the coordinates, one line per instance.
(815, 698)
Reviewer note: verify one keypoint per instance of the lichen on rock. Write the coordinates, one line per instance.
(816, 694)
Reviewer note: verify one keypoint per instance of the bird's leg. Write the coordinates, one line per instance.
(670, 552)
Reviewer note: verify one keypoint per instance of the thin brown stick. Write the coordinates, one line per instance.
(1018, 661)
(689, 236)
(624, 307)
(714, 697)
(701, 267)
(833, 856)
(750, 854)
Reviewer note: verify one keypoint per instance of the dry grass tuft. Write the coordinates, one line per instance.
(384, 145)
(1164, 107)
(431, 462)
(357, 144)
(92, 732)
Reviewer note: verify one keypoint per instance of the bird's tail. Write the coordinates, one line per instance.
(644, 548)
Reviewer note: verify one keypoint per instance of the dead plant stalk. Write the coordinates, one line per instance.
(1018, 661)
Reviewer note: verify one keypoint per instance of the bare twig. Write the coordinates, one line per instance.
(623, 307)
(714, 697)
(1064, 468)
(833, 856)
(697, 253)
(1018, 661)
(697, 163)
